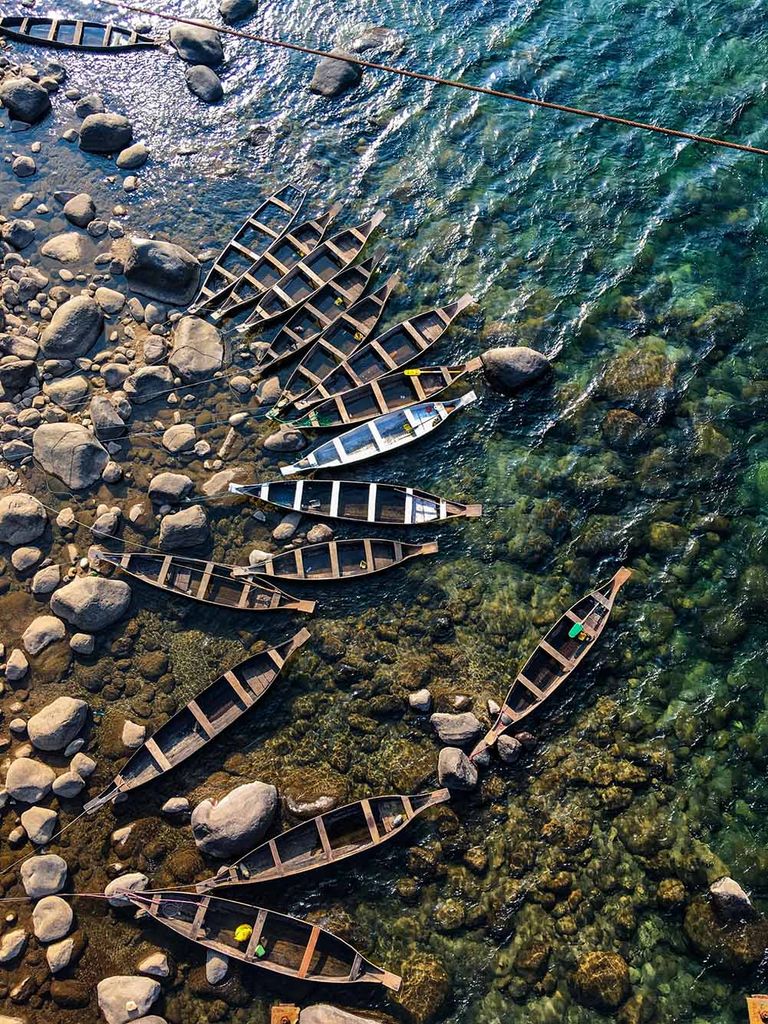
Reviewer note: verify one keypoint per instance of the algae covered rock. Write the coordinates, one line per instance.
(735, 946)
(308, 791)
(639, 373)
(601, 981)
(425, 989)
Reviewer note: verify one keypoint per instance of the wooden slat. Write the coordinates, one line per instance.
(600, 599)
(415, 333)
(299, 561)
(384, 355)
(255, 939)
(265, 228)
(309, 952)
(380, 400)
(53, 30)
(283, 206)
(275, 655)
(164, 570)
(197, 922)
(158, 755)
(77, 38)
(370, 821)
(242, 693)
(354, 971)
(372, 502)
(418, 387)
(324, 840)
(245, 593)
(332, 247)
(408, 505)
(538, 694)
(321, 318)
(341, 409)
(335, 493)
(107, 35)
(408, 807)
(207, 725)
(276, 856)
(283, 296)
(205, 581)
(333, 551)
(316, 280)
(368, 553)
(554, 653)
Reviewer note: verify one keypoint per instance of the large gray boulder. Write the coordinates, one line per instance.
(333, 76)
(455, 770)
(92, 602)
(198, 350)
(24, 99)
(105, 133)
(74, 329)
(43, 875)
(162, 270)
(169, 488)
(510, 368)
(204, 83)
(58, 723)
(147, 383)
(197, 45)
(126, 997)
(22, 519)
(69, 452)
(184, 529)
(236, 823)
(28, 780)
(456, 730)
(236, 10)
(107, 422)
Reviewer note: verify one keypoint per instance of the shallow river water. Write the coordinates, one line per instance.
(639, 265)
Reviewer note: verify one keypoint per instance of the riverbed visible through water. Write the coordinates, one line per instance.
(639, 265)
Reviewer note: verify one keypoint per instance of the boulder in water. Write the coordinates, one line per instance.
(28, 780)
(455, 770)
(197, 45)
(513, 367)
(71, 453)
(105, 133)
(198, 350)
(334, 75)
(57, 724)
(236, 10)
(236, 823)
(184, 529)
(24, 99)
(125, 998)
(92, 602)
(43, 875)
(74, 329)
(204, 83)
(162, 270)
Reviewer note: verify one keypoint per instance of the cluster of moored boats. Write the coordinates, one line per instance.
(346, 376)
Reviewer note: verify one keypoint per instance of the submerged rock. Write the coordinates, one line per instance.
(132, 157)
(736, 946)
(22, 519)
(125, 997)
(24, 99)
(58, 723)
(335, 75)
(68, 247)
(197, 45)
(601, 981)
(162, 270)
(92, 602)
(80, 210)
(105, 133)
(204, 83)
(513, 367)
(198, 350)
(235, 823)
(71, 453)
(425, 989)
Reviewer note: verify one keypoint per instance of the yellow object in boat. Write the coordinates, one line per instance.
(243, 932)
(412, 372)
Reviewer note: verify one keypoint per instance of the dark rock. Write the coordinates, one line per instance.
(334, 75)
(737, 947)
(147, 383)
(24, 99)
(601, 981)
(162, 270)
(513, 367)
(22, 519)
(197, 45)
(204, 83)
(70, 995)
(18, 233)
(80, 210)
(132, 157)
(425, 989)
(730, 901)
(15, 375)
(105, 133)
(236, 10)
(90, 104)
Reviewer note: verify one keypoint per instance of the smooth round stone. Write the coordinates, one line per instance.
(51, 918)
(39, 823)
(43, 875)
(68, 785)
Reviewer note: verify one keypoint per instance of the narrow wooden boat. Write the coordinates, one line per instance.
(389, 393)
(380, 436)
(209, 582)
(359, 502)
(75, 34)
(563, 648)
(309, 275)
(212, 711)
(257, 233)
(393, 350)
(340, 339)
(330, 837)
(339, 559)
(338, 296)
(275, 942)
(283, 254)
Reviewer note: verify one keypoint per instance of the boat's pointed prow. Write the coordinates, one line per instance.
(235, 488)
(473, 511)
(621, 577)
(390, 981)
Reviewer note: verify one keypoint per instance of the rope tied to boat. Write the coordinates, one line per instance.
(421, 76)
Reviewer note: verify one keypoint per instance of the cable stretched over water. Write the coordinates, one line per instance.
(421, 76)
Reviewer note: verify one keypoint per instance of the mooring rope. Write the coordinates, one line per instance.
(421, 76)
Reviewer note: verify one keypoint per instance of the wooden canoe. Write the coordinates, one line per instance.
(339, 559)
(392, 350)
(212, 711)
(337, 341)
(389, 393)
(337, 296)
(284, 253)
(309, 275)
(556, 656)
(279, 943)
(75, 34)
(257, 233)
(330, 837)
(380, 436)
(209, 582)
(360, 502)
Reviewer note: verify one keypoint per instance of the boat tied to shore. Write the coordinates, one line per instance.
(209, 582)
(555, 657)
(262, 938)
(393, 391)
(75, 34)
(311, 273)
(381, 435)
(204, 718)
(383, 504)
(338, 559)
(257, 234)
(328, 838)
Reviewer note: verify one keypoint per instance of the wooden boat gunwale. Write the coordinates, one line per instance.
(280, 600)
(135, 41)
(412, 496)
(361, 232)
(438, 412)
(243, 692)
(231, 874)
(402, 553)
(604, 597)
(361, 970)
(209, 296)
(312, 419)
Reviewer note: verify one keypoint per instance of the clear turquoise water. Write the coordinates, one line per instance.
(640, 264)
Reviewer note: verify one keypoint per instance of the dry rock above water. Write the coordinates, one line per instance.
(455, 770)
(22, 519)
(42, 632)
(24, 99)
(71, 453)
(125, 997)
(456, 730)
(198, 350)
(184, 529)
(197, 45)
(235, 823)
(51, 919)
(43, 875)
(162, 270)
(75, 328)
(28, 780)
(57, 724)
(92, 602)
(169, 488)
